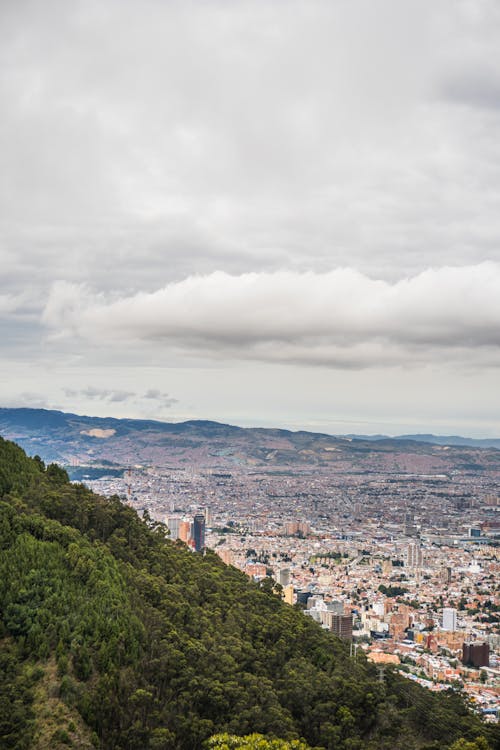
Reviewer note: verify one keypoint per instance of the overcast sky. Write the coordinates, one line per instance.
(265, 212)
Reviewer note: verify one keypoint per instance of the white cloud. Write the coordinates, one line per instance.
(340, 318)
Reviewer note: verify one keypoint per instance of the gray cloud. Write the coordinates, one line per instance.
(154, 396)
(164, 400)
(178, 180)
(143, 143)
(477, 88)
(341, 318)
(27, 399)
(100, 394)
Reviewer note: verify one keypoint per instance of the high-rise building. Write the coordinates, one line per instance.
(476, 654)
(302, 528)
(449, 618)
(342, 626)
(291, 528)
(284, 576)
(173, 526)
(199, 532)
(184, 530)
(445, 574)
(413, 557)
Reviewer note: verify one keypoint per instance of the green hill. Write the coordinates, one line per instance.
(114, 637)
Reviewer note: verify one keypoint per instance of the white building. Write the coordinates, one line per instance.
(413, 555)
(449, 618)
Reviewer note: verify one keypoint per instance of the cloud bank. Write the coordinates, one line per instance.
(341, 318)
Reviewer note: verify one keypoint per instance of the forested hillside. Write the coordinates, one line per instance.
(114, 637)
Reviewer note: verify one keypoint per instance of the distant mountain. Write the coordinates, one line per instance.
(73, 439)
(436, 439)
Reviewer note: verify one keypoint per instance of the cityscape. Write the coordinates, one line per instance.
(405, 566)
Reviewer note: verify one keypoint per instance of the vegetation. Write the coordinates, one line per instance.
(114, 637)
(392, 590)
(253, 742)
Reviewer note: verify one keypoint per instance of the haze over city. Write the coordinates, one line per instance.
(259, 213)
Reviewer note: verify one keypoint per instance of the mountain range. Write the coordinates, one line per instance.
(71, 440)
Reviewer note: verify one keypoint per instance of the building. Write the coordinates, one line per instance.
(173, 526)
(475, 654)
(387, 567)
(474, 533)
(288, 594)
(226, 555)
(413, 557)
(303, 597)
(410, 528)
(342, 626)
(199, 532)
(297, 528)
(449, 618)
(256, 570)
(315, 601)
(284, 577)
(184, 530)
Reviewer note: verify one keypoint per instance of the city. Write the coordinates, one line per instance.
(405, 566)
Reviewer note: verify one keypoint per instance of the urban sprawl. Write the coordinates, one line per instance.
(405, 566)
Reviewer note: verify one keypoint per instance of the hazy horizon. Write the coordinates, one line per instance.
(259, 423)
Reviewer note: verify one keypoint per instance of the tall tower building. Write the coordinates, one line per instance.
(342, 626)
(184, 530)
(284, 576)
(199, 532)
(413, 555)
(476, 654)
(449, 618)
(173, 524)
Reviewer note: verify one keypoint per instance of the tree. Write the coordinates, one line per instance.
(253, 742)
(478, 744)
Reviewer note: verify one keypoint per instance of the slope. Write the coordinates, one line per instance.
(144, 644)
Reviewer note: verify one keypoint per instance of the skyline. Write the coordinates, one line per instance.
(253, 213)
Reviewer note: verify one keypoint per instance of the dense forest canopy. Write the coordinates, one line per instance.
(114, 637)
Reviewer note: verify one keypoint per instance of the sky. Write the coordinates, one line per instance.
(265, 212)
